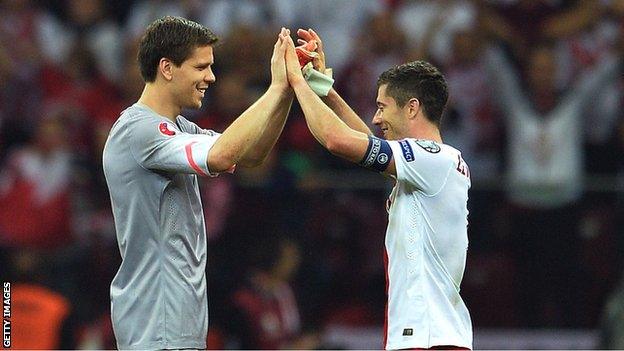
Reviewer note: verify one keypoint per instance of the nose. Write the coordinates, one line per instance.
(210, 77)
(377, 118)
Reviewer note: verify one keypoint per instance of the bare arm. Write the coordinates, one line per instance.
(345, 112)
(333, 99)
(330, 131)
(257, 154)
(250, 138)
(570, 22)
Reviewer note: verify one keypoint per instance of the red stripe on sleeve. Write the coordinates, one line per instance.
(189, 157)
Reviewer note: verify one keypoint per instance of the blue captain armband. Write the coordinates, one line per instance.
(378, 154)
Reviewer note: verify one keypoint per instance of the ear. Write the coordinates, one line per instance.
(165, 67)
(413, 105)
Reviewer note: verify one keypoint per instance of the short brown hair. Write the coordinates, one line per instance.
(174, 38)
(420, 80)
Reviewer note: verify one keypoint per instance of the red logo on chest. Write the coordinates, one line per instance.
(164, 128)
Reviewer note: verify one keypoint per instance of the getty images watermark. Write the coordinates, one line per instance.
(6, 315)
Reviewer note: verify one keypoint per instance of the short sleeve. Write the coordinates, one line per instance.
(421, 163)
(160, 145)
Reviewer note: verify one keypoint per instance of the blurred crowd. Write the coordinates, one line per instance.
(536, 106)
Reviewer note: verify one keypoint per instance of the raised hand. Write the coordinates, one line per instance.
(307, 36)
(292, 62)
(306, 52)
(278, 64)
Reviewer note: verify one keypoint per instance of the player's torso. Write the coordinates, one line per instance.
(158, 205)
(159, 293)
(426, 243)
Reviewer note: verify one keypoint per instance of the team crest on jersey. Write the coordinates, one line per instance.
(406, 148)
(428, 145)
(165, 129)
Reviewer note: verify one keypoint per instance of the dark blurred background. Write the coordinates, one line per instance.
(295, 246)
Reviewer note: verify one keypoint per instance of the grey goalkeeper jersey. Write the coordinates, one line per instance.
(158, 297)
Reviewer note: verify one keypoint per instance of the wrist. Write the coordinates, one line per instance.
(299, 83)
(279, 88)
(331, 95)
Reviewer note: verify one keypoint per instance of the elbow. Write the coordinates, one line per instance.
(252, 162)
(253, 158)
(333, 144)
(221, 162)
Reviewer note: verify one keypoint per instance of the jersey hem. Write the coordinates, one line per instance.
(193, 345)
(433, 343)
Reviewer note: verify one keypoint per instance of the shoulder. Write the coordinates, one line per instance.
(142, 122)
(423, 150)
(137, 113)
(193, 128)
(132, 116)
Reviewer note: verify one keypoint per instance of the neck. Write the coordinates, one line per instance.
(159, 101)
(423, 129)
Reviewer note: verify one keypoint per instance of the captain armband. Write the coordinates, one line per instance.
(378, 154)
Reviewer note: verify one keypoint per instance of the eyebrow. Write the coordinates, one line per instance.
(203, 64)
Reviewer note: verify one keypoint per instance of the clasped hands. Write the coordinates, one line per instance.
(303, 64)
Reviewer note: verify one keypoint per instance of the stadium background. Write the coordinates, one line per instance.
(67, 69)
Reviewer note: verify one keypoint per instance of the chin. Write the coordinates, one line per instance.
(196, 105)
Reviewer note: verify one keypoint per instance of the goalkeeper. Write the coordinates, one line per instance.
(152, 159)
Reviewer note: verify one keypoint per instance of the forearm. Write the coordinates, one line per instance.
(594, 81)
(244, 133)
(504, 80)
(330, 131)
(258, 151)
(571, 22)
(345, 112)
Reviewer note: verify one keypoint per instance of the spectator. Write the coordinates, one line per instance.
(35, 190)
(384, 45)
(87, 21)
(544, 178)
(20, 70)
(266, 303)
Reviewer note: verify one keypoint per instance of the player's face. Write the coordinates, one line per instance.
(193, 76)
(389, 116)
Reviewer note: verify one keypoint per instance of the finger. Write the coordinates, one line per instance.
(284, 42)
(304, 34)
(284, 32)
(290, 49)
(290, 42)
(301, 41)
(317, 38)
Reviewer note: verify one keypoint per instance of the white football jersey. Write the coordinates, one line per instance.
(426, 246)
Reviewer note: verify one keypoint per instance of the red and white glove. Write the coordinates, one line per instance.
(306, 52)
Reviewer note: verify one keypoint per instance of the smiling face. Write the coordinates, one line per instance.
(389, 116)
(191, 79)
